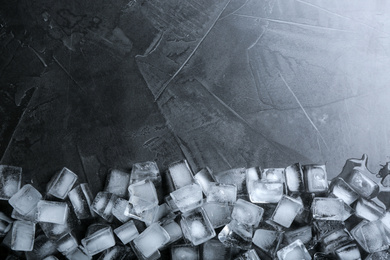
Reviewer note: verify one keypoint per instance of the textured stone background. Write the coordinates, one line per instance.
(92, 85)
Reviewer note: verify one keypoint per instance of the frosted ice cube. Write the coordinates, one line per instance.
(252, 174)
(235, 177)
(154, 256)
(371, 236)
(247, 213)
(286, 210)
(117, 182)
(325, 227)
(117, 253)
(184, 252)
(204, 178)
(180, 174)
(56, 231)
(145, 170)
(222, 193)
(78, 254)
(174, 231)
(335, 240)
(329, 209)
(10, 181)
(218, 214)
(236, 234)
(25, 200)
(81, 199)
(355, 173)
(151, 239)
(61, 183)
(294, 251)
(294, 178)
(147, 216)
(215, 250)
(188, 197)
(31, 216)
(119, 210)
(267, 240)
(249, 255)
(168, 199)
(67, 244)
(265, 191)
(303, 233)
(368, 210)
(348, 252)
(52, 212)
(127, 232)
(316, 178)
(143, 196)
(43, 247)
(99, 241)
(273, 175)
(196, 226)
(5, 223)
(340, 189)
(23, 235)
(103, 204)
(164, 214)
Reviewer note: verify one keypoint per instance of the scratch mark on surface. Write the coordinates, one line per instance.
(191, 54)
(223, 157)
(67, 73)
(38, 56)
(303, 109)
(82, 164)
(238, 9)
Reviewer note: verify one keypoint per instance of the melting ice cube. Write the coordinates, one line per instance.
(117, 182)
(294, 251)
(204, 178)
(10, 181)
(196, 226)
(188, 197)
(81, 199)
(99, 241)
(184, 252)
(23, 234)
(145, 170)
(247, 213)
(222, 193)
(143, 196)
(25, 200)
(61, 183)
(286, 210)
(219, 214)
(180, 174)
(151, 239)
(236, 234)
(103, 204)
(127, 232)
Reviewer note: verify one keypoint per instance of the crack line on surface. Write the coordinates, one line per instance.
(67, 73)
(303, 109)
(191, 54)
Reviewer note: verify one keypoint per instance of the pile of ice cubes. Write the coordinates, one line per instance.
(244, 213)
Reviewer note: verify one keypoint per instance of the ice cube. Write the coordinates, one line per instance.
(174, 231)
(247, 213)
(31, 216)
(168, 199)
(143, 196)
(235, 177)
(5, 223)
(117, 253)
(340, 189)
(348, 252)
(204, 177)
(335, 240)
(188, 197)
(368, 210)
(273, 175)
(316, 179)
(103, 204)
(252, 174)
(219, 214)
(215, 250)
(164, 214)
(25, 200)
(50, 257)
(127, 232)
(196, 226)
(325, 227)
(99, 241)
(381, 255)
(52, 211)
(10, 181)
(78, 254)
(294, 178)
(23, 235)
(151, 239)
(61, 183)
(294, 251)
(81, 199)
(117, 182)
(222, 193)
(371, 236)
(119, 210)
(355, 173)
(286, 210)
(386, 219)
(267, 240)
(146, 216)
(180, 174)
(67, 244)
(43, 247)
(249, 255)
(303, 233)
(236, 234)
(329, 209)
(154, 256)
(265, 191)
(184, 252)
(145, 170)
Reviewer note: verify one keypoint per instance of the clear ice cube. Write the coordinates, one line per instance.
(316, 178)
(286, 210)
(204, 177)
(329, 209)
(371, 236)
(218, 214)
(117, 253)
(335, 240)
(98, 241)
(368, 210)
(10, 181)
(265, 191)
(117, 183)
(81, 199)
(67, 244)
(143, 196)
(43, 247)
(248, 255)
(267, 240)
(215, 250)
(25, 200)
(294, 251)
(145, 170)
(196, 226)
(180, 174)
(103, 205)
(56, 231)
(52, 212)
(151, 239)
(294, 178)
(126, 232)
(23, 235)
(188, 197)
(119, 210)
(348, 252)
(174, 231)
(237, 235)
(222, 193)
(303, 233)
(235, 177)
(61, 183)
(340, 189)
(247, 213)
(78, 254)
(5, 223)
(184, 252)
(31, 216)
